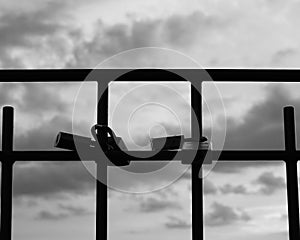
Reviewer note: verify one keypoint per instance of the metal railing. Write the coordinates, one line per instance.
(290, 155)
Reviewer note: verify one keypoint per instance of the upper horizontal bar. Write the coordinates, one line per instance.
(226, 155)
(79, 75)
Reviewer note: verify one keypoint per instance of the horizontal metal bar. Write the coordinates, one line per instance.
(226, 155)
(255, 75)
(41, 156)
(79, 75)
(43, 75)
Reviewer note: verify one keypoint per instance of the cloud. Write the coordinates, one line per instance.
(52, 180)
(43, 137)
(151, 205)
(36, 98)
(261, 128)
(17, 28)
(209, 187)
(177, 223)
(283, 56)
(29, 30)
(167, 192)
(270, 183)
(46, 215)
(275, 235)
(184, 30)
(238, 189)
(177, 31)
(68, 211)
(267, 181)
(75, 211)
(222, 215)
(40, 112)
(263, 121)
(46, 35)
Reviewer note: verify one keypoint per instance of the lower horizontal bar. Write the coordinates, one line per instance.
(226, 155)
(41, 156)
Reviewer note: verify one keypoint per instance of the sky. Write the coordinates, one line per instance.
(242, 200)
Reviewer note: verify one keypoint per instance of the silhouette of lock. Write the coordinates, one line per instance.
(108, 141)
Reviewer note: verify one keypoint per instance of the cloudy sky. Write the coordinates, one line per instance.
(57, 200)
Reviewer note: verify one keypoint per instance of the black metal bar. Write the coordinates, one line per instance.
(226, 155)
(101, 185)
(289, 129)
(101, 203)
(78, 75)
(44, 75)
(197, 182)
(197, 203)
(291, 173)
(7, 173)
(255, 75)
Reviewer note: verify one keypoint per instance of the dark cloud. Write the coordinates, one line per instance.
(237, 167)
(108, 41)
(49, 216)
(177, 223)
(74, 210)
(209, 187)
(67, 211)
(238, 189)
(52, 180)
(263, 122)
(183, 30)
(267, 181)
(280, 57)
(262, 128)
(26, 30)
(44, 136)
(224, 215)
(151, 205)
(17, 28)
(41, 104)
(26, 202)
(270, 183)
(177, 30)
(35, 98)
(164, 193)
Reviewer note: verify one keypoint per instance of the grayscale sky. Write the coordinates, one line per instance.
(57, 200)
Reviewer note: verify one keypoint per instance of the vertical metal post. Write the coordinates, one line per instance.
(291, 173)
(197, 183)
(101, 186)
(7, 173)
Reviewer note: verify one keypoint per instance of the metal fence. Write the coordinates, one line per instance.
(9, 156)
